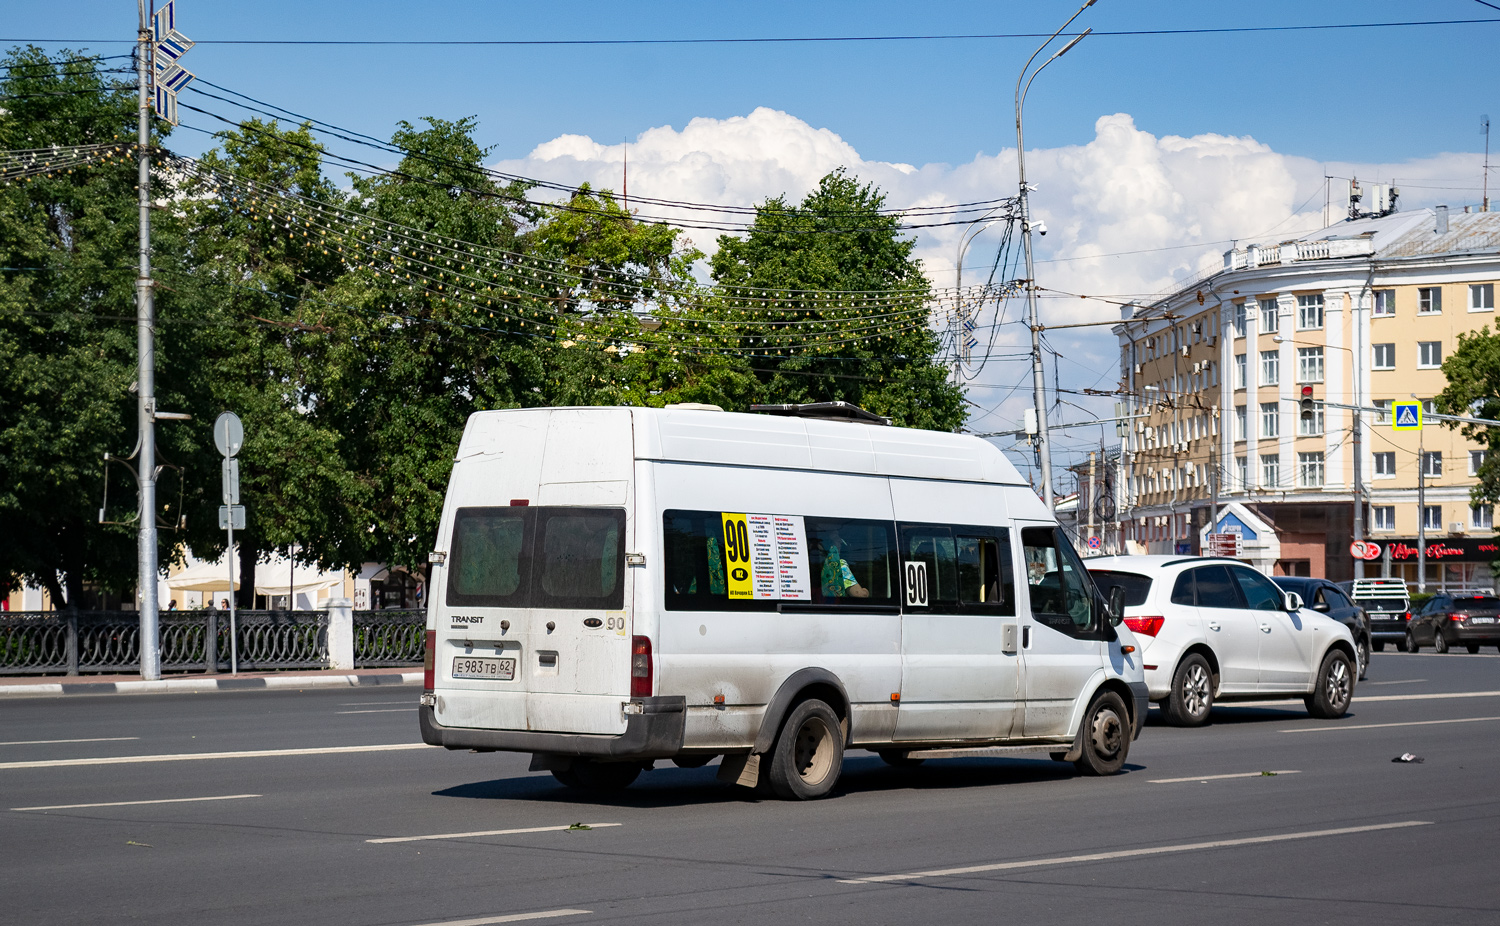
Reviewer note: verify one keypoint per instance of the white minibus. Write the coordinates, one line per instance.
(614, 586)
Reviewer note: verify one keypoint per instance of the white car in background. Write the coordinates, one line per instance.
(1214, 629)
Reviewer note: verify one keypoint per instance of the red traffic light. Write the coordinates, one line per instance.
(1307, 393)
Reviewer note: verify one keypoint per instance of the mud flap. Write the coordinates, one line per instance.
(550, 762)
(742, 769)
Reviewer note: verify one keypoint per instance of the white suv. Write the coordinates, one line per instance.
(1215, 629)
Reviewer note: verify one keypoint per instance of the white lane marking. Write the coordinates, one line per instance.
(384, 710)
(170, 800)
(529, 829)
(1404, 681)
(191, 756)
(1378, 726)
(97, 739)
(1134, 853)
(1173, 781)
(1290, 704)
(510, 918)
(393, 701)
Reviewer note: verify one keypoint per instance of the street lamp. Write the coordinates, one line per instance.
(1359, 485)
(1038, 380)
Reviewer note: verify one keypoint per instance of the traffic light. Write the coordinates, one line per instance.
(1307, 403)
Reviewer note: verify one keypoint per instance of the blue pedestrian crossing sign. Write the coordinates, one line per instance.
(1406, 416)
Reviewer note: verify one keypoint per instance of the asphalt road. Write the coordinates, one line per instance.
(1339, 835)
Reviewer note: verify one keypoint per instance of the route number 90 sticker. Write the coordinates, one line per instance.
(916, 584)
(765, 557)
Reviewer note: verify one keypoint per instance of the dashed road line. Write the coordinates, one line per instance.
(96, 739)
(383, 710)
(529, 829)
(194, 756)
(1378, 726)
(511, 918)
(168, 800)
(1173, 781)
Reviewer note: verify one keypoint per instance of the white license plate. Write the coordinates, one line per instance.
(503, 669)
(1481, 620)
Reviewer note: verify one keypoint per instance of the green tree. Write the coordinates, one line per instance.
(68, 252)
(1473, 390)
(876, 349)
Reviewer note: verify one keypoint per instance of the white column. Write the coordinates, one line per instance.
(340, 633)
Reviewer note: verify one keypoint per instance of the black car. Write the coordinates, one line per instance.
(1323, 596)
(1445, 621)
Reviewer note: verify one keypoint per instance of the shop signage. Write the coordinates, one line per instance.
(1451, 549)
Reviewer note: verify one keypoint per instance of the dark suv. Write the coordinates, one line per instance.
(1446, 620)
(1323, 596)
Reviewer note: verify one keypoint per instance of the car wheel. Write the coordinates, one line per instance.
(1409, 645)
(1334, 687)
(898, 758)
(1380, 647)
(1439, 642)
(1105, 734)
(1192, 694)
(598, 777)
(809, 753)
(1362, 656)
(1473, 647)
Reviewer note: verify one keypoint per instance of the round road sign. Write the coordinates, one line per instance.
(229, 434)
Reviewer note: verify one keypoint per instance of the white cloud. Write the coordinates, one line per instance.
(1130, 214)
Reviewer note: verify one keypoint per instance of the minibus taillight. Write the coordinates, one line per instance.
(1150, 626)
(429, 662)
(641, 669)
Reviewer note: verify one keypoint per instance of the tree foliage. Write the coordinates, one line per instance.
(1473, 390)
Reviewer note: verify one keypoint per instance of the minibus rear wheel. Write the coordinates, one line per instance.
(589, 775)
(809, 753)
(1105, 735)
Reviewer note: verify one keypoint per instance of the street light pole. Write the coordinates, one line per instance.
(145, 328)
(1038, 378)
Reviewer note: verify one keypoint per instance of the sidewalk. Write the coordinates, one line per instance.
(52, 685)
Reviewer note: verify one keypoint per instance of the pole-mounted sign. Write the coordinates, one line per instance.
(167, 47)
(229, 437)
(1406, 416)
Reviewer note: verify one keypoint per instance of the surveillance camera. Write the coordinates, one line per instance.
(1040, 227)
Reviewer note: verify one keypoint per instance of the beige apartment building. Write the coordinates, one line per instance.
(1364, 312)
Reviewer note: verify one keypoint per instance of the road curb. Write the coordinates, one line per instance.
(174, 685)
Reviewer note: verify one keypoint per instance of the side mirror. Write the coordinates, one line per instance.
(1322, 606)
(1116, 605)
(1291, 601)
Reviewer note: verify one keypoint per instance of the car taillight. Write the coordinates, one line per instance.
(641, 669)
(1406, 616)
(1150, 626)
(429, 662)
(1455, 618)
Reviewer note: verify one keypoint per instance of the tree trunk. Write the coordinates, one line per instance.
(245, 598)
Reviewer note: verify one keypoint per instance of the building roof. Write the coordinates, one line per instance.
(1468, 233)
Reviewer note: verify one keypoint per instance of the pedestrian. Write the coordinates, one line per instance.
(172, 605)
(224, 605)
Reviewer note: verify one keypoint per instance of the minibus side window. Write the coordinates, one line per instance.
(852, 562)
(581, 558)
(984, 573)
(490, 561)
(1061, 593)
(934, 547)
(695, 565)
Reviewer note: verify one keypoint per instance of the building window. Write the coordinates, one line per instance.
(1270, 367)
(1481, 297)
(1270, 419)
(1239, 371)
(1270, 470)
(1429, 408)
(1429, 300)
(1310, 470)
(1385, 465)
(1385, 356)
(1239, 319)
(1240, 420)
(1309, 364)
(1432, 463)
(1311, 425)
(1432, 517)
(1384, 415)
(1383, 517)
(1309, 313)
(1268, 320)
(1385, 302)
(1482, 517)
(1242, 473)
(1476, 460)
(1429, 355)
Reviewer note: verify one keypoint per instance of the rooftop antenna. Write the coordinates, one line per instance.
(1484, 129)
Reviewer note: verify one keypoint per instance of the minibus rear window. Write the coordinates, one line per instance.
(537, 557)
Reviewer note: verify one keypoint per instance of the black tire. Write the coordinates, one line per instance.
(598, 777)
(1362, 656)
(1334, 687)
(897, 758)
(1105, 736)
(1192, 695)
(1439, 642)
(692, 761)
(1379, 647)
(1472, 647)
(1409, 645)
(809, 753)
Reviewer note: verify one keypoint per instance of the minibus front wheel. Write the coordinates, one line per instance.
(1105, 736)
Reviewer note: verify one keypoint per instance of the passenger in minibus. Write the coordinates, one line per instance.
(838, 579)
